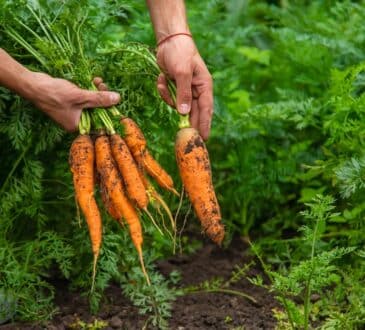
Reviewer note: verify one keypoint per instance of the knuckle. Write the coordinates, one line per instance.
(100, 98)
(185, 94)
(182, 72)
(205, 124)
(77, 96)
(209, 80)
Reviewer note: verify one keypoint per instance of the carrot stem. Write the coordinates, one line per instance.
(184, 121)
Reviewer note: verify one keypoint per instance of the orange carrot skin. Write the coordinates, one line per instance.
(109, 174)
(112, 211)
(194, 167)
(129, 171)
(82, 167)
(137, 144)
(133, 135)
(154, 169)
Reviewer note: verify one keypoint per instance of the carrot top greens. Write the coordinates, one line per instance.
(287, 137)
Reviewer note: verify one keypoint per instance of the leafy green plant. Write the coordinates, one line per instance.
(220, 285)
(36, 196)
(154, 300)
(288, 125)
(311, 276)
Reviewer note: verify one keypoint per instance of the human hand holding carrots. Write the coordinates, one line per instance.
(58, 98)
(194, 166)
(63, 101)
(180, 61)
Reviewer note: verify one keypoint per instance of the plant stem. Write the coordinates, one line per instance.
(228, 291)
(268, 274)
(184, 121)
(308, 283)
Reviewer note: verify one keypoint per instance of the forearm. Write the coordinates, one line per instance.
(168, 17)
(13, 75)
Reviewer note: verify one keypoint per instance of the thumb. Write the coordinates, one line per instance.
(184, 95)
(95, 99)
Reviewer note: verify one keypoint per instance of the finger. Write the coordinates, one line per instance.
(92, 99)
(205, 104)
(102, 87)
(183, 84)
(163, 90)
(97, 81)
(195, 93)
(194, 114)
(99, 84)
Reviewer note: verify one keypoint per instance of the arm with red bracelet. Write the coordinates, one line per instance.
(179, 59)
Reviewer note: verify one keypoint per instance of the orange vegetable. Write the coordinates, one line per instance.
(110, 176)
(129, 171)
(155, 170)
(194, 167)
(112, 211)
(137, 144)
(133, 135)
(82, 167)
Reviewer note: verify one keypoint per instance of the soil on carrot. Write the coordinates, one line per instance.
(213, 310)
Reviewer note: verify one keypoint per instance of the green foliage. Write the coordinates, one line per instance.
(315, 275)
(221, 285)
(288, 125)
(154, 300)
(38, 234)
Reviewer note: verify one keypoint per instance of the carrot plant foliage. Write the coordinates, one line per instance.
(287, 152)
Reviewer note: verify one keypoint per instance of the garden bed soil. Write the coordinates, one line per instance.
(190, 312)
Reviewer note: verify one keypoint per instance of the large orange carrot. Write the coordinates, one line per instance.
(109, 174)
(82, 167)
(129, 171)
(136, 142)
(194, 167)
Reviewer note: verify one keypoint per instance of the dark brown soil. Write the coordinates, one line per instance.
(193, 311)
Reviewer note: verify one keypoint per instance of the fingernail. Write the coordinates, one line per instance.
(114, 97)
(184, 108)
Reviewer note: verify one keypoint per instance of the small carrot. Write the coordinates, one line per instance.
(137, 144)
(129, 171)
(109, 174)
(133, 135)
(194, 167)
(82, 167)
(154, 169)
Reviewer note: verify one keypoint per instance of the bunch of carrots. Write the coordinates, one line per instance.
(119, 165)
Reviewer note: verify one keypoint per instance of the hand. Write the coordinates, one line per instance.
(63, 101)
(180, 61)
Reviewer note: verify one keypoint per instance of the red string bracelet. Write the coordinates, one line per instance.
(173, 35)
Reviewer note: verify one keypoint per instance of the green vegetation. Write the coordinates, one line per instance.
(286, 149)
